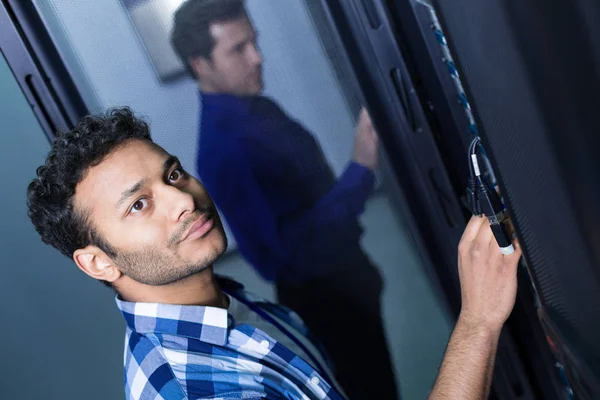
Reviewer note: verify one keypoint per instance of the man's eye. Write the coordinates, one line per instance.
(139, 206)
(176, 175)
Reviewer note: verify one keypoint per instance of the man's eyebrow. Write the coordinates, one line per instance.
(130, 192)
(169, 162)
(238, 45)
(243, 42)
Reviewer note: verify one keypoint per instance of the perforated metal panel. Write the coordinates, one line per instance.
(532, 71)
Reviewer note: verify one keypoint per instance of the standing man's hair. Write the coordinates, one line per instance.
(50, 194)
(191, 35)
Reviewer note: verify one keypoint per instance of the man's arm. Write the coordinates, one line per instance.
(256, 213)
(466, 372)
(250, 200)
(346, 199)
(488, 287)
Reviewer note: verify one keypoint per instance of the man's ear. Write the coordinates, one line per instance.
(200, 65)
(96, 264)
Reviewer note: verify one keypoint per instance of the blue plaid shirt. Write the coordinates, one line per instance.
(197, 352)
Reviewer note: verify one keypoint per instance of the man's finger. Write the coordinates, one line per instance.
(363, 114)
(472, 228)
(516, 244)
(485, 235)
(510, 228)
(516, 255)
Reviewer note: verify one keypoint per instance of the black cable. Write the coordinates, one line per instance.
(473, 147)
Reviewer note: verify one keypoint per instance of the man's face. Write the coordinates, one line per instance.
(161, 222)
(235, 66)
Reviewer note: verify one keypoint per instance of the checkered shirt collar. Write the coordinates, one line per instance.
(207, 324)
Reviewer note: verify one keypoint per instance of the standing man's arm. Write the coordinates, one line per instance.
(488, 287)
(252, 201)
(346, 200)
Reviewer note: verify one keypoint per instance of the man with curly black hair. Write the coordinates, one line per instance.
(130, 216)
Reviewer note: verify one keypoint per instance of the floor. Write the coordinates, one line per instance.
(415, 319)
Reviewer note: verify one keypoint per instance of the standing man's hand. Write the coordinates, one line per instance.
(488, 279)
(488, 282)
(366, 142)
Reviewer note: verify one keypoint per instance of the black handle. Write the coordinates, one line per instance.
(405, 94)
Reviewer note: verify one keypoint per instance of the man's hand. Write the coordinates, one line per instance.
(488, 279)
(365, 142)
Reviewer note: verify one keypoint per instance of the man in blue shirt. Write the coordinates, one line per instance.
(293, 220)
(131, 217)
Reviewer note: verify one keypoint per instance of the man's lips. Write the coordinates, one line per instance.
(200, 228)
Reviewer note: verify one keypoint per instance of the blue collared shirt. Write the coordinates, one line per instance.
(291, 217)
(197, 352)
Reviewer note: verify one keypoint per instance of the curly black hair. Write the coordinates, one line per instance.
(50, 194)
(191, 35)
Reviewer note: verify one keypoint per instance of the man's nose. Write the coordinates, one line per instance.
(178, 203)
(255, 56)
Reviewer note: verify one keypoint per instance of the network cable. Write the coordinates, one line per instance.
(483, 200)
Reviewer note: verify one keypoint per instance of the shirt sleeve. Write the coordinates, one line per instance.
(157, 384)
(297, 238)
(346, 200)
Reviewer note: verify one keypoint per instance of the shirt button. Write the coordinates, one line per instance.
(265, 343)
(315, 380)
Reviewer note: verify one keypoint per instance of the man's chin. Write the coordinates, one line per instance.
(256, 89)
(208, 258)
(221, 243)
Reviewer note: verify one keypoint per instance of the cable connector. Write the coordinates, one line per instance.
(483, 200)
(472, 198)
(489, 203)
(492, 207)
